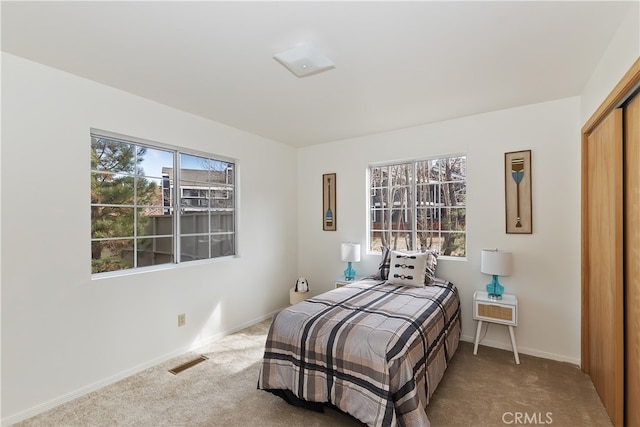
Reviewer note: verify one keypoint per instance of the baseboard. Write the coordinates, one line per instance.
(43, 407)
(524, 350)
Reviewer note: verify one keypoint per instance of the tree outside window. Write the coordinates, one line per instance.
(419, 205)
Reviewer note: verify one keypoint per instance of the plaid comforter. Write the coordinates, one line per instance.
(374, 350)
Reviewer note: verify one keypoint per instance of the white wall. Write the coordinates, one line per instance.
(622, 52)
(64, 334)
(546, 274)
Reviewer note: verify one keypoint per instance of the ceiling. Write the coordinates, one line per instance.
(397, 64)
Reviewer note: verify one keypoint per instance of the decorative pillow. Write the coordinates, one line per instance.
(430, 270)
(407, 269)
(383, 268)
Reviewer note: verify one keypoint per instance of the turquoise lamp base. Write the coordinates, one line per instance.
(349, 273)
(495, 289)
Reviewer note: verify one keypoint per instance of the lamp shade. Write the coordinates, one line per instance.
(495, 262)
(350, 252)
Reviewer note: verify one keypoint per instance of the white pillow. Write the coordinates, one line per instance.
(408, 269)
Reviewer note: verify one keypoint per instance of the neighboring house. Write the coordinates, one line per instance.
(200, 190)
(206, 205)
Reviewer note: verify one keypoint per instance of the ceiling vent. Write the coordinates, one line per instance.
(304, 60)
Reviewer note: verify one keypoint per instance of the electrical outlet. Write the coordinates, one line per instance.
(181, 319)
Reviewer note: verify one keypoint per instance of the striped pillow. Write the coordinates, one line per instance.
(383, 268)
(430, 270)
(407, 269)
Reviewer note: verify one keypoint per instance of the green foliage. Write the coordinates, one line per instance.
(109, 263)
(118, 182)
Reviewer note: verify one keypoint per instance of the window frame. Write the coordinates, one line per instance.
(413, 210)
(175, 205)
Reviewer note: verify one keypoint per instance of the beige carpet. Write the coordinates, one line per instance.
(483, 390)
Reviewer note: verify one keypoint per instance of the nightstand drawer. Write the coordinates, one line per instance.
(504, 311)
(496, 312)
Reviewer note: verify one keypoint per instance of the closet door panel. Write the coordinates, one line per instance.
(604, 263)
(632, 262)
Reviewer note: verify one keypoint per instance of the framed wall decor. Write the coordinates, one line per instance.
(329, 202)
(517, 192)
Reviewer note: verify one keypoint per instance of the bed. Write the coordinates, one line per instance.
(372, 349)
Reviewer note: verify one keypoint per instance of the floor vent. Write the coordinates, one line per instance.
(188, 365)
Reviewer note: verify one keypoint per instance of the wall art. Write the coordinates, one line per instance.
(329, 202)
(517, 188)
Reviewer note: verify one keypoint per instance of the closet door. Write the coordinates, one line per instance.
(632, 261)
(604, 263)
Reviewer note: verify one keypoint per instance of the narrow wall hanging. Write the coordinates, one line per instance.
(329, 202)
(517, 188)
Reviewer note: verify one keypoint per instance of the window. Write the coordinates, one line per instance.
(149, 203)
(419, 205)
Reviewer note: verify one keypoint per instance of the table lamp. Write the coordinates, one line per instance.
(350, 252)
(497, 263)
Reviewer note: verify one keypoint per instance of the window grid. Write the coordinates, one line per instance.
(121, 189)
(419, 205)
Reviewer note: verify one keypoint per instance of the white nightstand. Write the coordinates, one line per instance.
(503, 311)
(296, 297)
(341, 281)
